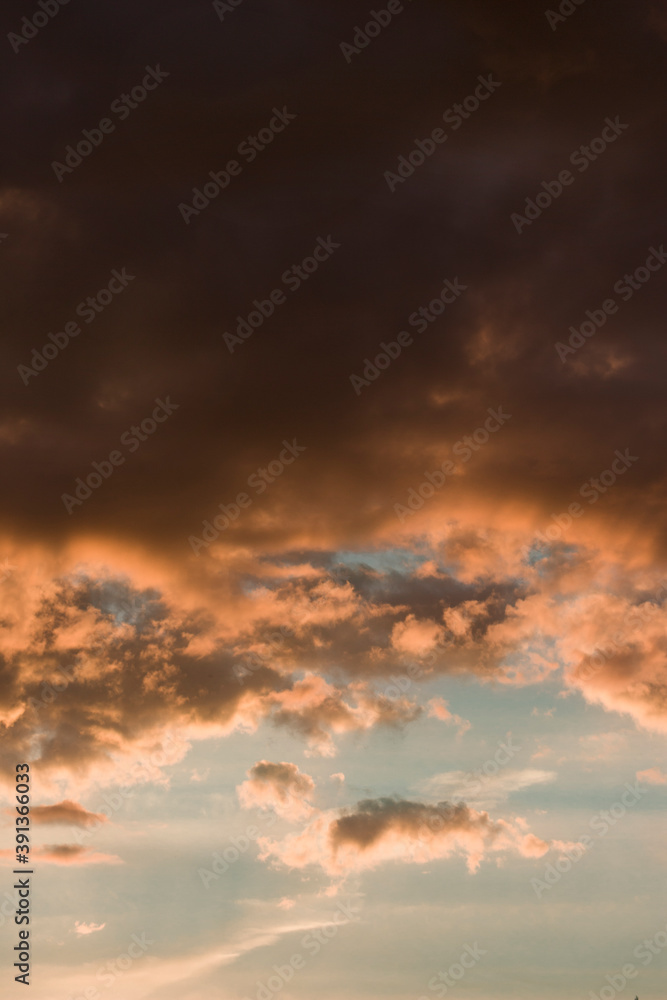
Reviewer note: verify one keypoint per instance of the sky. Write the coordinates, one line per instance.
(333, 520)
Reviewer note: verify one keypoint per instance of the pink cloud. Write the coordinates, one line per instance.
(82, 928)
(652, 776)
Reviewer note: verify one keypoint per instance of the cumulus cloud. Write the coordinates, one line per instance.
(414, 637)
(387, 829)
(282, 787)
(119, 665)
(315, 709)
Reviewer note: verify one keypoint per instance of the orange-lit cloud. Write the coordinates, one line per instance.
(282, 787)
(122, 665)
(652, 776)
(438, 709)
(382, 830)
(74, 854)
(67, 812)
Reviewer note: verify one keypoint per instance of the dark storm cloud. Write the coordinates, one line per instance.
(323, 175)
(165, 291)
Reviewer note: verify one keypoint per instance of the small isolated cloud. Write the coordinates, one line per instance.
(339, 776)
(282, 787)
(481, 788)
(67, 813)
(652, 776)
(381, 830)
(82, 928)
(438, 709)
(74, 854)
(286, 903)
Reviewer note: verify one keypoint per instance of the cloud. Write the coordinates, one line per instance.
(82, 928)
(66, 812)
(70, 646)
(481, 788)
(315, 709)
(74, 854)
(164, 643)
(383, 830)
(652, 776)
(416, 638)
(282, 787)
(68, 664)
(437, 709)
(71, 642)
